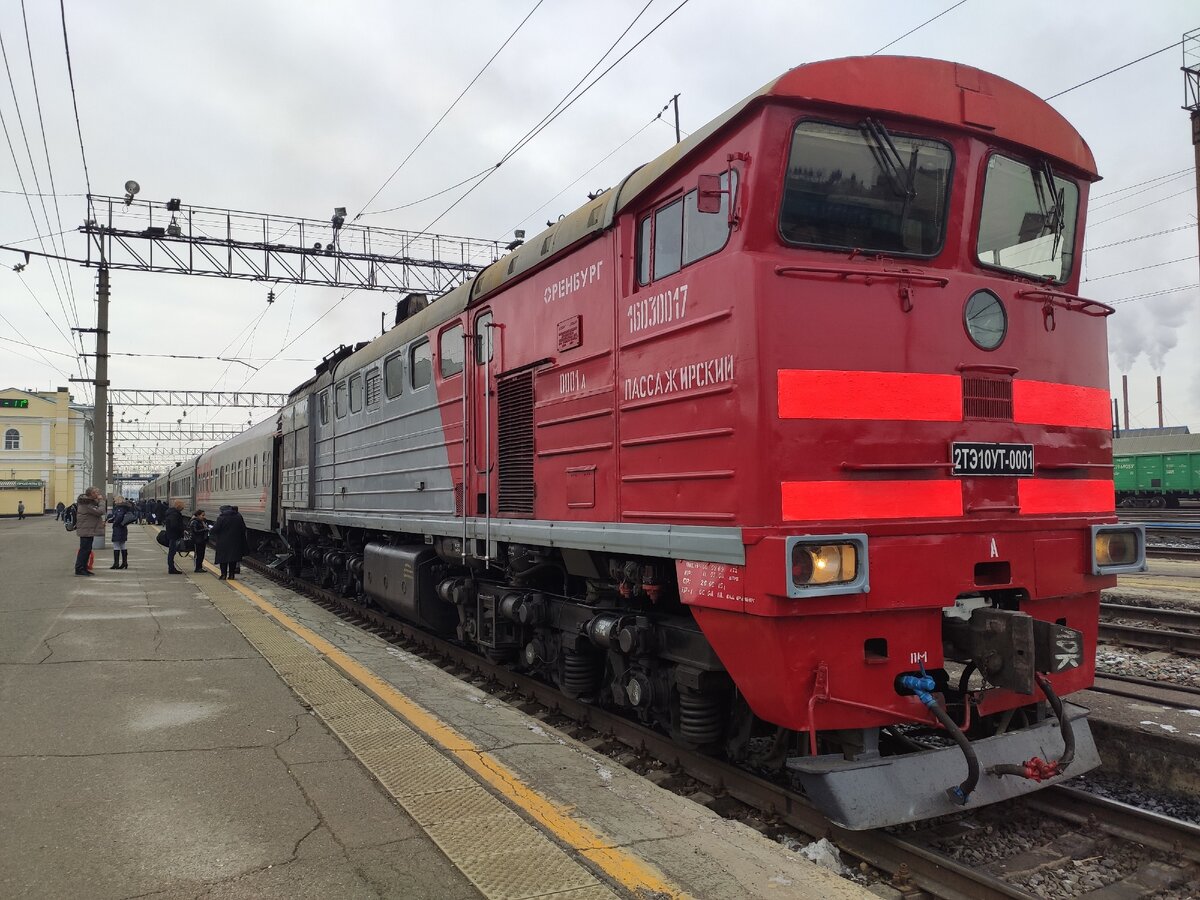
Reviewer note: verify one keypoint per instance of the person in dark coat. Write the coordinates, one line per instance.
(232, 541)
(173, 525)
(121, 518)
(199, 529)
(59, 510)
(89, 524)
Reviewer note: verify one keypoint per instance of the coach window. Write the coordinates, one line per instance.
(860, 187)
(483, 338)
(355, 393)
(323, 402)
(393, 375)
(420, 364)
(238, 482)
(256, 470)
(339, 400)
(450, 351)
(1027, 222)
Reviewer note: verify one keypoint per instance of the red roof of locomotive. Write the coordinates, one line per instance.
(939, 91)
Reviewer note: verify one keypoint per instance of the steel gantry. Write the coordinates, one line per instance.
(172, 432)
(146, 397)
(157, 236)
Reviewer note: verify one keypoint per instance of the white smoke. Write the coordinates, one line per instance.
(1152, 330)
(1126, 340)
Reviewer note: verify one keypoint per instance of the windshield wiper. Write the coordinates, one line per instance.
(1051, 207)
(902, 178)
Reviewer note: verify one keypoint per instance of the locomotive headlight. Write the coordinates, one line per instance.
(1118, 548)
(821, 565)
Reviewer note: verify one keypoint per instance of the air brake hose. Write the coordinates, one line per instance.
(923, 686)
(1038, 769)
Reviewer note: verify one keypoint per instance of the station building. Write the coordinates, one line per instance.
(45, 450)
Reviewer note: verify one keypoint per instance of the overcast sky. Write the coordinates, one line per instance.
(294, 108)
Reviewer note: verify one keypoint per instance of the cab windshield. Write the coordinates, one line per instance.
(863, 188)
(1027, 223)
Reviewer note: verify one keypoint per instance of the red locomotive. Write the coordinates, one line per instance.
(794, 444)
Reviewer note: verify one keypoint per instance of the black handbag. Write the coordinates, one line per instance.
(162, 538)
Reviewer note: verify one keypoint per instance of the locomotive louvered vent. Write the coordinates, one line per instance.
(515, 399)
(987, 398)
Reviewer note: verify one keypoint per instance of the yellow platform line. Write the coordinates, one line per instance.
(630, 871)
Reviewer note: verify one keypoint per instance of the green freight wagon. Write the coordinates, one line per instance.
(1157, 479)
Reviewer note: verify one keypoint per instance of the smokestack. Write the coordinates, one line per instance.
(1160, 417)
(1116, 418)
(1125, 395)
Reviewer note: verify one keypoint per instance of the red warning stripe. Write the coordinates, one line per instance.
(906, 396)
(826, 500)
(1044, 496)
(924, 397)
(1046, 403)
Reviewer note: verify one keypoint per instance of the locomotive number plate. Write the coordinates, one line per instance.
(992, 459)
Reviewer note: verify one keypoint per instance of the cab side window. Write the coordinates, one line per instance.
(678, 234)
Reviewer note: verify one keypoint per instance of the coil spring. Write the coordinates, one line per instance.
(699, 718)
(581, 674)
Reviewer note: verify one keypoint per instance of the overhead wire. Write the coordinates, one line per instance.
(587, 173)
(1141, 268)
(37, 97)
(563, 105)
(1126, 212)
(442, 118)
(87, 179)
(1137, 193)
(1140, 237)
(1130, 187)
(919, 27)
(37, 227)
(1158, 293)
(1112, 71)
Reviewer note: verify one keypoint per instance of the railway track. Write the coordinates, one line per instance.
(913, 865)
(1157, 551)
(1173, 630)
(1165, 693)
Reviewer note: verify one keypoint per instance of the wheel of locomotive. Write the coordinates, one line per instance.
(1157, 502)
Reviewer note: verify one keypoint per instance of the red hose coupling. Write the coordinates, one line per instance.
(1039, 770)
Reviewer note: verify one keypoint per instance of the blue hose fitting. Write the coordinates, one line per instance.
(921, 685)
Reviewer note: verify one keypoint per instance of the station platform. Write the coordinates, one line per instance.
(178, 736)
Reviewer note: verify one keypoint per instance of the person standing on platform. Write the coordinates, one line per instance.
(232, 541)
(20, 510)
(59, 510)
(122, 517)
(89, 525)
(200, 528)
(174, 527)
